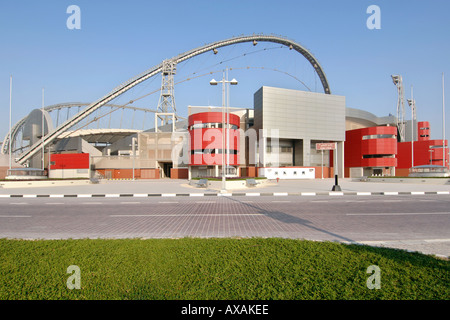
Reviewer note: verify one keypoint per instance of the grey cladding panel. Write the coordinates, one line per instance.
(301, 115)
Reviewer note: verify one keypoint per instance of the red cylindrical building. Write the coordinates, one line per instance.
(207, 143)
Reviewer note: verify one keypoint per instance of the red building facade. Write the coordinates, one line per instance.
(375, 150)
(373, 147)
(69, 161)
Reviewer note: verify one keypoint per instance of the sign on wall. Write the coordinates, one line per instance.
(326, 146)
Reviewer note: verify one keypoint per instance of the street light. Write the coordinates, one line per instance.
(412, 104)
(224, 82)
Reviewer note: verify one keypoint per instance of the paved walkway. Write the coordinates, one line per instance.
(147, 188)
(301, 187)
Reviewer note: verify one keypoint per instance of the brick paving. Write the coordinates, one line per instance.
(393, 221)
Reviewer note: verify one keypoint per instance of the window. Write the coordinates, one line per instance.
(286, 149)
(379, 136)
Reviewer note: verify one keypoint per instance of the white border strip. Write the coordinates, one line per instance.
(280, 194)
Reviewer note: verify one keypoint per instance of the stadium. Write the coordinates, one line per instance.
(286, 134)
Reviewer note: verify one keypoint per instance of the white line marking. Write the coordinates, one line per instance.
(187, 215)
(443, 192)
(55, 203)
(280, 193)
(390, 193)
(5, 196)
(168, 195)
(88, 203)
(167, 201)
(308, 193)
(252, 194)
(13, 216)
(112, 195)
(56, 196)
(196, 194)
(84, 196)
(30, 195)
(130, 202)
(417, 192)
(396, 214)
(19, 203)
(437, 240)
(364, 193)
(336, 193)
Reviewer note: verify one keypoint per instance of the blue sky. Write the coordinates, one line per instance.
(120, 39)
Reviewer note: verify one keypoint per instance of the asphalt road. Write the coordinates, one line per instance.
(417, 223)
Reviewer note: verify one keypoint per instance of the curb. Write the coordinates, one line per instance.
(232, 194)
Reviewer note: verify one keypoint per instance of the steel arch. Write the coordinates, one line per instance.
(17, 126)
(158, 68)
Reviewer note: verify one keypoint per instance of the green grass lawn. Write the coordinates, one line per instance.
(217, 269)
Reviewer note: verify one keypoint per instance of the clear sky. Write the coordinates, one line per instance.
(120, 39)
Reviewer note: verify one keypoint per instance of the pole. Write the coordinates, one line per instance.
(336, 186)
(228, 125)
(43, 126)
(133, 143)
(443, 124)
(322, 164)
(223, 132)
(10, 99)
(413, 104)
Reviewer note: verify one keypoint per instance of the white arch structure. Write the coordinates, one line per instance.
(19, 124)
(124, 87)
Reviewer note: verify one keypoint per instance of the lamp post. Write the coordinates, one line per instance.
(412, 104)
(224, 82)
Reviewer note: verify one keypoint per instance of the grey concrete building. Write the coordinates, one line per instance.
(296, 121)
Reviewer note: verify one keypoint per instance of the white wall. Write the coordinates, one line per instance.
(69, 173)
(288, 173)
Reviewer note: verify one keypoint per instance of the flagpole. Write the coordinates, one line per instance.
(10, 99)
(43, 125)
(443, 124)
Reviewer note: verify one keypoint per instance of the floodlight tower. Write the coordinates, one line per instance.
(166, 104)
(398, 81)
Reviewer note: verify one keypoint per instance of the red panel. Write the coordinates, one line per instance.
(70, 161)
(379, 162)
(379, 146)
(356, 148)
(212, 117)
(421, 153)
(423, 130)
